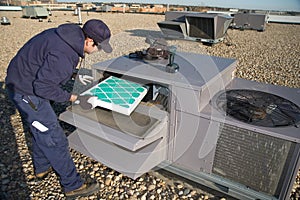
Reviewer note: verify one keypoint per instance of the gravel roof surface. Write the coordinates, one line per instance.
(271, 57)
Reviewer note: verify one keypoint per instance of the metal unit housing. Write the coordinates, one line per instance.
(245, 161)
(191, 138)
(204, 27)
(201, 77)
(34, 12)
(253, 21)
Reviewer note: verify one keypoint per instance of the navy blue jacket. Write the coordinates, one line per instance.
(46, 62)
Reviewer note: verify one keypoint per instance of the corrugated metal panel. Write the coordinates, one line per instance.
(256, 160)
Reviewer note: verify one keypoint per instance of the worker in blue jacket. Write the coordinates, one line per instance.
(34, 78)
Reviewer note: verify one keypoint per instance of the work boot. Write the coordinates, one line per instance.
(42, 175)
(85, 190)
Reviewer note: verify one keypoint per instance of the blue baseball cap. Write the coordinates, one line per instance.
(99, 32)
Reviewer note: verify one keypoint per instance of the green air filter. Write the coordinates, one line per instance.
(117, 94)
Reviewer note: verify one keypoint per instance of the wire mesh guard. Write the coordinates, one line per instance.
(117, 94)
(258, 108)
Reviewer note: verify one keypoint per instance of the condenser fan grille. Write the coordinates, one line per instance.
(258, 108)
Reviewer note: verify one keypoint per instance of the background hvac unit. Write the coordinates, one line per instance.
(34, 12)
(173, 29)
(204, 27)
(253, 132)
(207, 26)
(254, 21)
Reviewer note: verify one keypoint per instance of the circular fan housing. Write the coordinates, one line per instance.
(258, 108)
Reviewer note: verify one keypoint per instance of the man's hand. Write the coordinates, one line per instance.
(85, 79)
(86, 102)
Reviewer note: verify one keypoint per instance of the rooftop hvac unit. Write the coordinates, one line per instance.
(252, 21)
(204, 27)
(34, 12)
(207, 27)
(236, 136)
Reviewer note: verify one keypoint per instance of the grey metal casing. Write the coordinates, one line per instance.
(199, 78)
(190, 143)
(253, 21)
(173, 29)
(131, 163)
(208, 26)
(204, 27)
(178, 16)
(112, 145)
(191, 139)
(34, 12)
(221, 138)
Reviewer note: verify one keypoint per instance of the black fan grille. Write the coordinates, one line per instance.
(258, 108)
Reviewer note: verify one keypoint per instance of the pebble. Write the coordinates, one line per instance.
(271, 56)
(158, 191)
(151, 187)
(107, 181)
(144, 196)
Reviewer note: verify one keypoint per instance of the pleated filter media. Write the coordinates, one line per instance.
(117, 94)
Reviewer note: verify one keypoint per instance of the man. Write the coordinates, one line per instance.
(34, 78)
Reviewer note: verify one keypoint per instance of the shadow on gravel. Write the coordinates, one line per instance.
(196, 186)
(13, 178)
(145, 33)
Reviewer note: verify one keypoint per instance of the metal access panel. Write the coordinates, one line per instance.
(242, 160)
(173, 29)
(252, 21)
(129, 144)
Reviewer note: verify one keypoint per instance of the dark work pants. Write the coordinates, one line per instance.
(50, 147)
